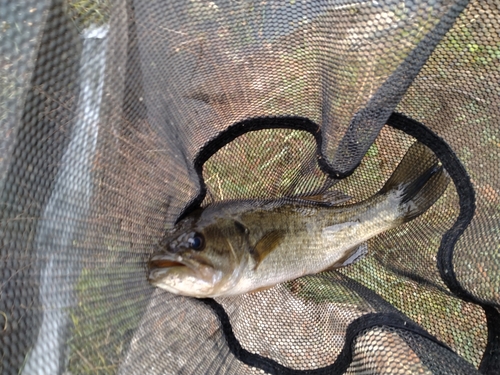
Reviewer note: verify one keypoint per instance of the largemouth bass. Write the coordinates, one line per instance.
(235, 247)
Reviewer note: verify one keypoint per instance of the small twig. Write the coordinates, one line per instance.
(220, 187)
(85, 360)
(105, 367)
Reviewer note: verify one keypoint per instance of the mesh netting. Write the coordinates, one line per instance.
(119, 118)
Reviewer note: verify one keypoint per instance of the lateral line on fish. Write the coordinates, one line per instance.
(336, 228)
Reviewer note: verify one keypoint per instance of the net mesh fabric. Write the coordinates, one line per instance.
(119, 117)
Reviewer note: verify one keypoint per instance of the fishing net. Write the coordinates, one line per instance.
(118, 118)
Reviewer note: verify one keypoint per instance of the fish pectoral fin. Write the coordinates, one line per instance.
(266, 245)
(262, 288)
(350, 257)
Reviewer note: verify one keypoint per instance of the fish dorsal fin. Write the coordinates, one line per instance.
(326, 199)
(266, 245)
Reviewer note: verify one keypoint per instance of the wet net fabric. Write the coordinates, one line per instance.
(117, 118)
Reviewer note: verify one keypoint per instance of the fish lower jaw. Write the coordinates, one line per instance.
(185, 289)
(179, 292)
(166, 287)
(200, 282)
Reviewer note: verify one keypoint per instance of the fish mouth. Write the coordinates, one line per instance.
(169, 271)
(165, 261)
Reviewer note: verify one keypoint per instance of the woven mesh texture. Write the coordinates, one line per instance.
(119, 117)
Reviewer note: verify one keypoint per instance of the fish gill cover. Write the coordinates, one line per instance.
(119, 119)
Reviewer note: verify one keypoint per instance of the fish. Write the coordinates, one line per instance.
(235, 247)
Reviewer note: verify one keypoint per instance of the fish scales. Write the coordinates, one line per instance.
(312, 241)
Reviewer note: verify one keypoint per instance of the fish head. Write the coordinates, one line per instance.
(200, 259)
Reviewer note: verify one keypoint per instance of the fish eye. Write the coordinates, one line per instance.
(197, 242)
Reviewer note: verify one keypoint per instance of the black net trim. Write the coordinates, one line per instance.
(490, 363)
(343, 361)
(411, 127)
(389, 94)
(443, 151)
(466, 195)
(491, 357)
(465, 192)
(240, 128)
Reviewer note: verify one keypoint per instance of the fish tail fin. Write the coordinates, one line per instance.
(419, 181)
